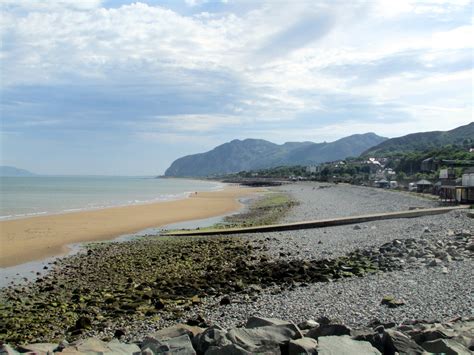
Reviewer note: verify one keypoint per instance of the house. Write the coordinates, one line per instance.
(424, 186)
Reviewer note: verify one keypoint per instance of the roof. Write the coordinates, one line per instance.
(423, 182)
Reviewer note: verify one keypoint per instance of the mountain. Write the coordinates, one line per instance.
(423, 141)
(252, 154)
(12, 171)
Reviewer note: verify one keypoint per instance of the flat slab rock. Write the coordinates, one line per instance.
(344, 345)
(263, 339)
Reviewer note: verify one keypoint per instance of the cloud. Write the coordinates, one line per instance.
(238, 69)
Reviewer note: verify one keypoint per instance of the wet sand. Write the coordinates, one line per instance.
(36, 238)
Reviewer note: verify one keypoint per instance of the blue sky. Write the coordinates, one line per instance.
(121, 87)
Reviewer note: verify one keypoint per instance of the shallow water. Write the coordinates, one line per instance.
(38, 195)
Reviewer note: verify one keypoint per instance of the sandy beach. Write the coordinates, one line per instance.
(35, 238)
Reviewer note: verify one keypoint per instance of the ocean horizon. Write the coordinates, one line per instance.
(22, 197)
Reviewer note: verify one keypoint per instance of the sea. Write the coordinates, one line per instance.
(22, 197)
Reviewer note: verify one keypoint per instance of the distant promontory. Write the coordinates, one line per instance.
(12, 171)
(251, 154)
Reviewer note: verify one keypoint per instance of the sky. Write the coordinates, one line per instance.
(124, 88)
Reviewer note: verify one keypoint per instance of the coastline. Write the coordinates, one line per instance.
(40, 237)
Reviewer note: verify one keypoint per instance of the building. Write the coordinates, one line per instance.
(424, 186)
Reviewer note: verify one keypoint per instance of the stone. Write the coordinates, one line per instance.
(435, 262)
(154, 345)
(323, 320)
(176, 331)
(374, 337)
(302, 346)
(429, 334)
(232, 349)
(344, 345)
(90, 345)
(213, 336)
(255, 322)
(446, 346)
(395, 341)
(328, 330)
(263, 339)
(357, 227)
(6, 349)
(46, 348)
(391, 302)
(181, 345)
(225, 301)
(308, 324)
(119, 348)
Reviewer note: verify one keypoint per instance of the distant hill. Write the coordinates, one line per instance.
(252, 154)
(12, 171)
(423, 141)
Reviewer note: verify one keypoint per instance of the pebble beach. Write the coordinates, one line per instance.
(385, 272)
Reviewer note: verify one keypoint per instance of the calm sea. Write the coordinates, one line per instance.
(30, 196)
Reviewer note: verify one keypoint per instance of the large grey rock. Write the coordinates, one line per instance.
(263, 339)
(302, 346)
(344, 345)
(176, 331)
(213, 336)
(89, 345)
(40, 348)
(232, 349)
(255, 322)
(446, 346)
(373, 337)
(181, 345)
(328, 330)
(119, 348)
(154, 345)
(308, 324)
(395, 341)
(6, 349)
(429, 335)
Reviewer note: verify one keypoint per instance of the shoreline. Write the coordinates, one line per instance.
(164, 198)
(36, 238)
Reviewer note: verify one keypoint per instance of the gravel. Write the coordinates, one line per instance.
(428, 293)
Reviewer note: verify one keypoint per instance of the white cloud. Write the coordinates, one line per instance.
(61, 42)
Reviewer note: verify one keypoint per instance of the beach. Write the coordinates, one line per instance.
(394, 273)
(36, 238)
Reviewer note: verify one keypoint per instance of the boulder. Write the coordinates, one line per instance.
(328, 330)
(154, 346)
(263, 339)
(374, 337)
(41, 348)
(176, 331)
(214, 337)
(308, 324)
(446, 346)
(302, 346)
(232, 349)
(181, 345)
(255, 322)
(395, 341)
(7, 350)
(89, 345)
(344, 345)
(429, 335)
(119, 348)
